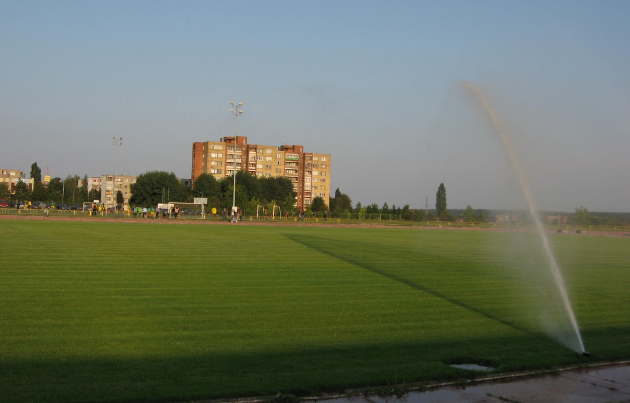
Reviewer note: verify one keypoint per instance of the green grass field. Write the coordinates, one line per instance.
(137, 312)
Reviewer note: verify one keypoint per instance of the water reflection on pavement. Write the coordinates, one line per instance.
(610, 384)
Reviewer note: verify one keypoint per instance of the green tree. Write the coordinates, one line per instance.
(240, 197)
(36, 173)
(481, 216)
(385, 209)
(340, 204)
(582, 216)
(55, 190)
(469, 214)
(406, 213)
(156, 187)
(94, 194)
(207, 186)
(440, 201)
(4, 191)
(70, 189)
(419, 215)
(82, 192)
(22, 191)
(318, 205)
(277, 188)
(40, 192)
(120, 199)
(372, 209)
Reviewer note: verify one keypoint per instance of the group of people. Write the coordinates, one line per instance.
(144, 212)
(234, 216)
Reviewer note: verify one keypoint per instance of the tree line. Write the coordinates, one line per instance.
(156, 187)
(66, 191)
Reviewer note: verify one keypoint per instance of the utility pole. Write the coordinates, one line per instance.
(236, 110)
(426, 210)
(117, 144)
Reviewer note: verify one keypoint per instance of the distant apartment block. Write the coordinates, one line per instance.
(309, 172)
(92, 183)
(11, 177)
(111, 184)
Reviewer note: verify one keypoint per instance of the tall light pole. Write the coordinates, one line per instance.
(236, 111)
(117, 144)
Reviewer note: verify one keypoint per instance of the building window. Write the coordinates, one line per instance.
(268, 166)
(323, 166)
(278, 163)
(323, 173)
(268, 158)
(316, 158)
(268, 151)
(278, 170)
(279, 156)
(315, 180)
(323, 158)
(315, 172)
(323, 180)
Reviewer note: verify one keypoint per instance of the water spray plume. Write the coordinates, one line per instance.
(553, 265)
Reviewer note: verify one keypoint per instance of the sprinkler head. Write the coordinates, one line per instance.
(586, 354)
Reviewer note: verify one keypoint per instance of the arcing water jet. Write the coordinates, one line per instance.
(553, 265)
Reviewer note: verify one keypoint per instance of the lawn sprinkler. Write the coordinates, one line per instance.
(586, 354)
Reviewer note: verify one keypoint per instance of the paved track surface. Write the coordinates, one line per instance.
(609, 384)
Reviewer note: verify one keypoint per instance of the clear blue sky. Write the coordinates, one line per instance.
(377, 84)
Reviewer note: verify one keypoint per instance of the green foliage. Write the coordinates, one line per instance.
(55, 190)
(40, 192)
(340, 204)
(481, 216)
(582, 216)
(36, 173)
(22, 191)
(372, 209)
(156, 187)
(318, 205)
(94, 194)
(72, 192)
(248, 188)
(4, 191)
(440, 201)
(469, 214)
(385, 209)
(207, 186)
(362, 213)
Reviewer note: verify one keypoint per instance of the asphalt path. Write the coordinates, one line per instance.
(604, 384)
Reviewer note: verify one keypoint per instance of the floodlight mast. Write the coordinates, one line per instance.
(117, 144)
(236, 111)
